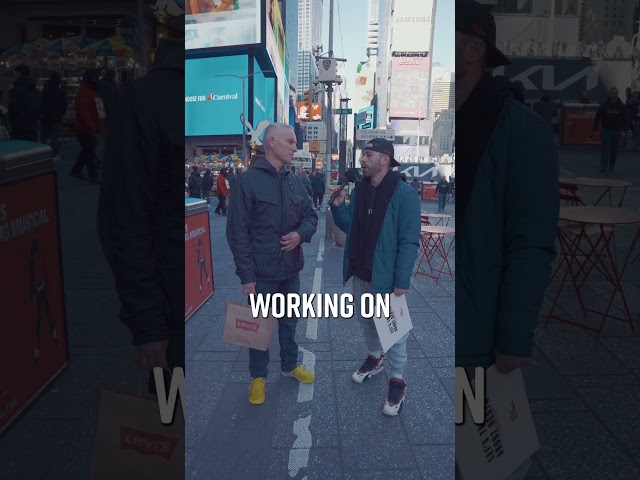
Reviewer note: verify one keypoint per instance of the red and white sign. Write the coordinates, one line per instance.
(147, 443)
(314, 115)
(409, 91)
(32, 302)
(198, 266)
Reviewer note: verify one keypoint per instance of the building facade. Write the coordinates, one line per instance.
(309, 38)
(443, 133)
(443, 99)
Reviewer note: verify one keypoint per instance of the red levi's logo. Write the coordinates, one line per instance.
(147, 443)
(248, 326)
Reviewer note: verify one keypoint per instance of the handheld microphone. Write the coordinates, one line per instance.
(349, 176)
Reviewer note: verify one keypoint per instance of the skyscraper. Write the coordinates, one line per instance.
(443, 99)
(291, 11)
(309, 38)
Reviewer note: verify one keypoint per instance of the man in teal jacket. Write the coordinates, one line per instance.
(507, 205)
(382, 223)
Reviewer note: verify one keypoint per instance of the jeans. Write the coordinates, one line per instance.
(52, 131)
(222, 205)
(609, 147)
(317, 199)
(396, 355)
(259, 360)
(87, 155)
(442, 200)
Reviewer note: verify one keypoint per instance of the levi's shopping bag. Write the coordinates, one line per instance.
(131, 442)
(508, 437)
(397, 325)
(241, 328)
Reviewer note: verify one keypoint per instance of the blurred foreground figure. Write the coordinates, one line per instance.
(506, 223)
(141, 210)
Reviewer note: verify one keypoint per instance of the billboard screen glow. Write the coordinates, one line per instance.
(213, 105)
(225, 24)
(409, 86)
(412, 23)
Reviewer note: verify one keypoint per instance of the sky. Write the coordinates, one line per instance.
(350, 33)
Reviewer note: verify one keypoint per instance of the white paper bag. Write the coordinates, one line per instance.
(100, 108)
(393, 328)
(508, 437)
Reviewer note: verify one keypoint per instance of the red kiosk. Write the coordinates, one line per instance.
(32, 300)
(198, 265)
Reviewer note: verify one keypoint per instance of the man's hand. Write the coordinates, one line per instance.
(249, 288)
(400, 291)
(339, 199)
(290, 241)
(508, 363)
(147, 356)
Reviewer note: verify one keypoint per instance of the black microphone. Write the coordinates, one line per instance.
(350, 176)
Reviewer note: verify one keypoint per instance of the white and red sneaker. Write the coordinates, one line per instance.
(372, 366)
(395, 397)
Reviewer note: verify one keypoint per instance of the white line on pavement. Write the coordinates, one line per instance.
(320, 251)
(312, 323)
(299, 454)
(305, 391)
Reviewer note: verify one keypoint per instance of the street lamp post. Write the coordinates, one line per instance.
(244, 115)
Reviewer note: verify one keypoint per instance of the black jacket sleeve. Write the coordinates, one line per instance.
(128, 197)
(239, 220)
(598, 117)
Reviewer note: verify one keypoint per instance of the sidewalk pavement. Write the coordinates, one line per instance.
(586, 398)
(349, 437)
(53, 438)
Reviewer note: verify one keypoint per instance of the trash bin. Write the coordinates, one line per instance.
(198, 264)
(32, 301)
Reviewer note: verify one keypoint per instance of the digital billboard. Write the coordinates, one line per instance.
(365, 118)
(409, 90)
(412, 24)
(213, 105)
(263, 98)
(226, 23)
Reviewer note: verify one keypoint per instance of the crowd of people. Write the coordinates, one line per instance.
(38, 116)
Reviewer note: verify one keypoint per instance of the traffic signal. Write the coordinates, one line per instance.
(308, 98)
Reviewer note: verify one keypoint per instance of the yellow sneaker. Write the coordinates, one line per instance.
(301, 374)
(257, 391)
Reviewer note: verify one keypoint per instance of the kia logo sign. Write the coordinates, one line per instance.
(247, 326)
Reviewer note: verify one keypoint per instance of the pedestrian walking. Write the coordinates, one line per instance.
(88, 126)
(416, 185)
(614, 117)
(222, 190)
(54, 106)
(108, 95)
(382, 223)
(24, 105)
(318, 189)
(195, 183)
(306, 183)
(506, 240)
(442, 190)
(269, 218)
(207, 185)
(140, 220)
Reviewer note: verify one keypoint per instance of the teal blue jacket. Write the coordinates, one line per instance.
(506, 243)
(397, 248)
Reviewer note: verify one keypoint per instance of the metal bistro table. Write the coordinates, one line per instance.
(607, 183)
(598, 252)
(440, 218)
(432, 238)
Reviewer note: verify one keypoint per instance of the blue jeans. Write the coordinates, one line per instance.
(609, 147)
(442, 200)
(259, 360)
(396, 355)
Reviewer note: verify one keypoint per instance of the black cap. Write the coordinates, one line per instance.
(476, 20)
(382, 145)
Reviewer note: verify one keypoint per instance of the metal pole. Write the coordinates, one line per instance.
(355, 132)
(244, 130)
(329, 92)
